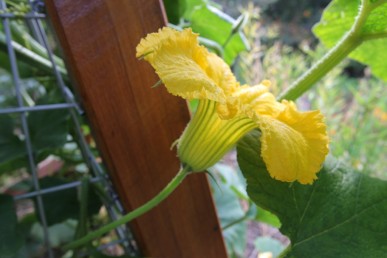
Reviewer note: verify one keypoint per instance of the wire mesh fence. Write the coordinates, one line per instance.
(30, 118)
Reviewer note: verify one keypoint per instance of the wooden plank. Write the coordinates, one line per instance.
(135, 125)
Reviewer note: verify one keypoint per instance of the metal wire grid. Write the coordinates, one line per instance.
(34, 20)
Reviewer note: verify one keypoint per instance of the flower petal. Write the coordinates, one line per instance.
(152, 41)
(221, 74)
(294, 145)
(182, 64)
(257, 100)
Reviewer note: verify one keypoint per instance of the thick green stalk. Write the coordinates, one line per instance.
(22, 37)
(343, 48)
(31, 58)
(133, 214)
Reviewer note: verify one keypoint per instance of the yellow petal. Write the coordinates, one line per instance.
(221, 74)
(227, 110)
(152, 41)
(182, 64)
(294, 144)
(257, 100)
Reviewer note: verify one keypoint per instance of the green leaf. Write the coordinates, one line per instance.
(48, 129)
(191, 5)
(10, 237)
(12, 149)
(341, 215)
(339, 17)
(230, 210)
(215, 25)
(58, 233)
(267, 217)
(62, 205)
(175, 10)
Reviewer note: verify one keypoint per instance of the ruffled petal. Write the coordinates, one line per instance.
(294, 144)
(221, 74)
(152, 41)
(257, 100)
(182, 66)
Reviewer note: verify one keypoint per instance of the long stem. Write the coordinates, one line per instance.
(346, 45)
(133, 214)
(237, 221)
(83, 201)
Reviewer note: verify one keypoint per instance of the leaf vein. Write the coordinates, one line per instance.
(354, 216)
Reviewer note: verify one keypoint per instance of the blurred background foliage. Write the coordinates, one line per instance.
(280, 46)
(55, 148)
(259, 39)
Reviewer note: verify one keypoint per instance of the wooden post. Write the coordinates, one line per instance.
(135, 125)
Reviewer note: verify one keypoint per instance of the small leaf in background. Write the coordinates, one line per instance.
(230, 210)
(64, 204)
(58, 233)
(343, 214)
(191, 5)
(267, 217)
(11, 146)
(338, 18)
(48, 129)
(10, 237)
(215, 25)
(12, 149)
(268, 244)
(175, 10)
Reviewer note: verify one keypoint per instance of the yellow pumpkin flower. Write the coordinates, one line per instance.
(294, 144)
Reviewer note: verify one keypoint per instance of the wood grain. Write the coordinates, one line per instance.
(135, 125)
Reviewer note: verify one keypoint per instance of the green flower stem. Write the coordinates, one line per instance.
(372, 36)
(133, 214)
(321, 68)
(346, 45)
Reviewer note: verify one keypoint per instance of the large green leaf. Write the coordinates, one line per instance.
(215, 25)
(179, 9)
(339, 17)
(10, 237)
(343, 214)
(191, 5)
